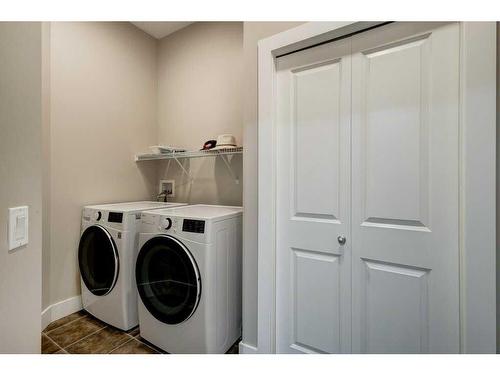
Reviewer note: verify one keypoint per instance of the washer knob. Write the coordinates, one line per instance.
(169, 223)
(98, 215)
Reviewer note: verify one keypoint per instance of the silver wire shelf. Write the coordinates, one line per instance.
(188, 154)
(177, 155)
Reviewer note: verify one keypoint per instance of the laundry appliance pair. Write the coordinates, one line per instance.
(184, 263)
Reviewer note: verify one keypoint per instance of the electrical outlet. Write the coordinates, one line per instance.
(169, 186)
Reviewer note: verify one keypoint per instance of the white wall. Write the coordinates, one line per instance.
(199, 97)
(21, 183)
(102, 111)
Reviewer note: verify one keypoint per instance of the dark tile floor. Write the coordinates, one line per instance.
(81, 333)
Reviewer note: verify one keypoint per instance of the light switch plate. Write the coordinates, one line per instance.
(18, 227)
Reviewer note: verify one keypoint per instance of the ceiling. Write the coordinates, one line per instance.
(161, 29)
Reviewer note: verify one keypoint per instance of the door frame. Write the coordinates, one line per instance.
(477, 153)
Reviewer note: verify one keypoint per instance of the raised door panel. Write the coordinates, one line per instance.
(315, 301)
(395, 311)
(395, 132)
(315, 121)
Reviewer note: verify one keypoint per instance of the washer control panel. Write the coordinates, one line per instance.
(193, 226)
(115, 217)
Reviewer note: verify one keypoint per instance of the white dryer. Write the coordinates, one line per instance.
(106, 257)
(188, 276)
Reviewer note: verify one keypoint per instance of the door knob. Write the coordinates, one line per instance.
(341, 240)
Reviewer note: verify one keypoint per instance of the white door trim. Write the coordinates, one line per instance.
(477, 176)
(478, 187)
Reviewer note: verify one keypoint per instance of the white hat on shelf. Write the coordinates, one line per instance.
(225, 141)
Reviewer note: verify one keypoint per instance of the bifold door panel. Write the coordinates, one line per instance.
(313, 275)
(367, 186)
(405, 189)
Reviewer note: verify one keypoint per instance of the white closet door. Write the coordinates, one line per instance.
(405, 106)
(313, 206)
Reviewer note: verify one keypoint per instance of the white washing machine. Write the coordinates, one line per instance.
(106, 258)
(188, 276)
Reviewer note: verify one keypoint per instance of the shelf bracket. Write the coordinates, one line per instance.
(184, 170)
(229, 169)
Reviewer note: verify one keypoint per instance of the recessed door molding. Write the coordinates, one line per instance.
(477, 153)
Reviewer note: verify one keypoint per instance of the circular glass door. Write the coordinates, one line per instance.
(98, 260)
(168, 280)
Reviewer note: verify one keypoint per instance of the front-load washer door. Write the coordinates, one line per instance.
(168, 279)
(98, 260)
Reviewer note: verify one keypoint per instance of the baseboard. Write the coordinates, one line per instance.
(46, 317)
(247, 349)
(61, 309)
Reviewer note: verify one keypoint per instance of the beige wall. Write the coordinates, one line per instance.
(498, 188)
(253, 31)
(109, 83)
(21, 184)
(103, 110)
(199, 97)
(46, 203)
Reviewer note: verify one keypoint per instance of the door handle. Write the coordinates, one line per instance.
(341, 240)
